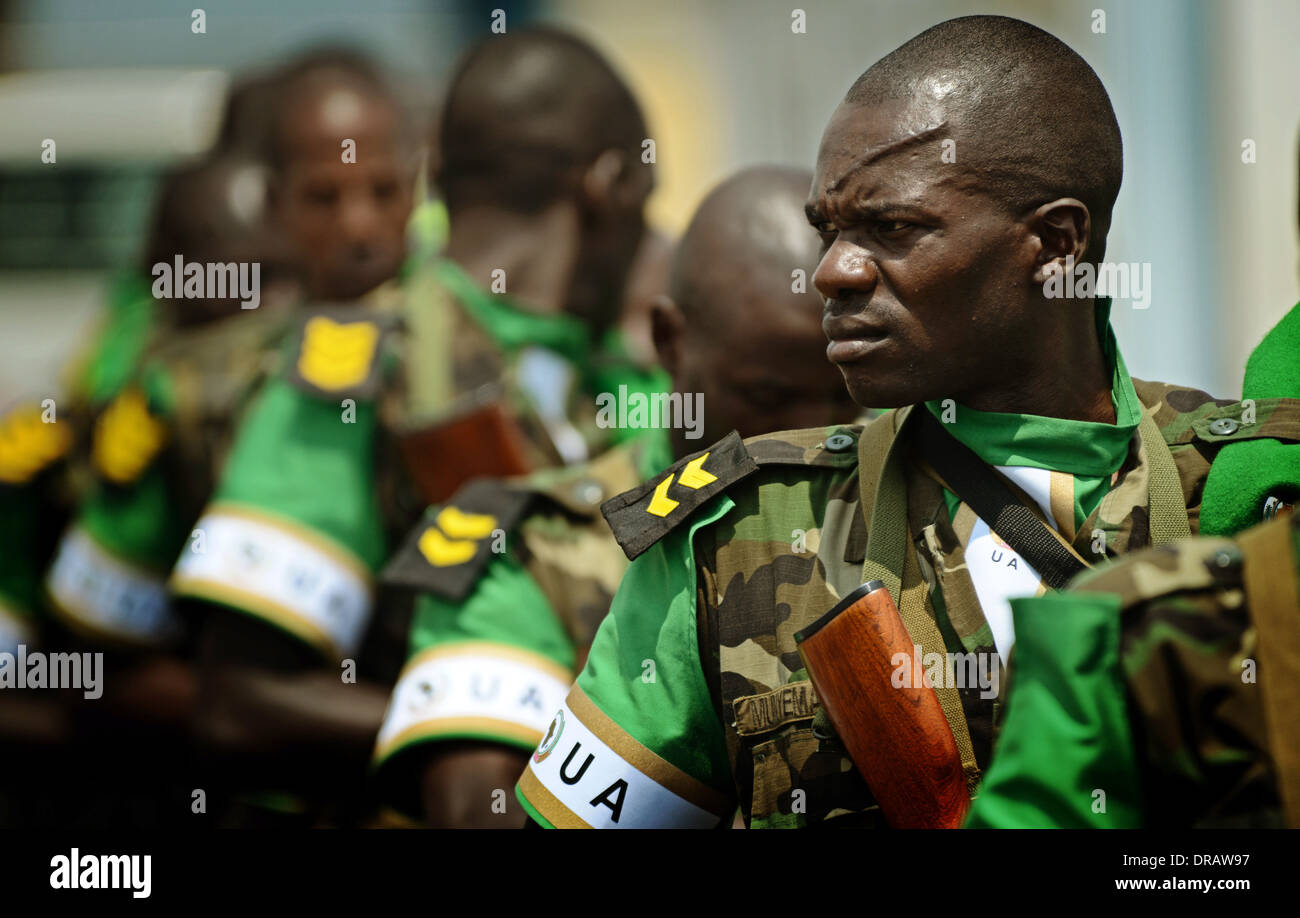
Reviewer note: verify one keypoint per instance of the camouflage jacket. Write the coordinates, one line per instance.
(730, 716)
(1190, 693)
(151, 453)
(510, 580)
(378, 413)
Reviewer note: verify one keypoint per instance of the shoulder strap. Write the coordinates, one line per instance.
(1165, 502)
(988, 495)
(1273, 594)
(644, 515)
(891, 558)
(449, 549)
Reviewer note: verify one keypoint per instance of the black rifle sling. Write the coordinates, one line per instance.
(987, 493)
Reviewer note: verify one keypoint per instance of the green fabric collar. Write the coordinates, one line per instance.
(1083, 448)
(512, 327)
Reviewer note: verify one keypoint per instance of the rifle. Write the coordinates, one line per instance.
(898, 738)
(478, 438)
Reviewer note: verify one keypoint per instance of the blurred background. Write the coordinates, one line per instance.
(127, 90)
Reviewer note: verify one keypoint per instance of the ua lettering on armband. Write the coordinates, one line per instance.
(587, 773)
(94, 591)
(279, 571)
(473, 689)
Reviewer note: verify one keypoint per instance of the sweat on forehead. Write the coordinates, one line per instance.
(1029, 115)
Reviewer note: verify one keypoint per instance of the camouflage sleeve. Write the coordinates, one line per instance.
(1188, 657)
(494, 666)
(1162, 715)
(637, 743)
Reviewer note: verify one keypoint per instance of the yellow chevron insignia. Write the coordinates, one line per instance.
(694, 476)
(661, 504)
(337, 355)
(126, 438)
(28, 444)
(441, 551)
(461, 525)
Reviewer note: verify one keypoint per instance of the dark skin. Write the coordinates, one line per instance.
(557, 260)
(574, 255)
(932, 289)
(784, 382)
(347, 219)
(560, 260)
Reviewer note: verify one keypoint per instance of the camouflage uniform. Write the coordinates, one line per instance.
(1159, 712)
(497, 636)
(317, 490)
(38, 486)
(694, 699)
(156, 443)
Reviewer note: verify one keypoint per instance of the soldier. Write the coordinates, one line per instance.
(158, 432)
(480, 362)
(694, 698)
(524, 618)
(1160, 691)
(1149, 710)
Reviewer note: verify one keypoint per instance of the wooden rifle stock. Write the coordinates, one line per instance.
(479, 443)
(898, 738)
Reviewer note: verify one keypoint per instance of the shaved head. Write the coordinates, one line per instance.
(1030, 117)
(740, 325)
(748, 235)
(216, 211)
(523, 110)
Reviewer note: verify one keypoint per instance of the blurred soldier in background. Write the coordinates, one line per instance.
(482, 362)
(160, 411)
(498, 635)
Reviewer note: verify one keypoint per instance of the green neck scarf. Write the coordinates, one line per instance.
(510, 326)
(1088, 450)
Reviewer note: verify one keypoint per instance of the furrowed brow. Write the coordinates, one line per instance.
(888, 149)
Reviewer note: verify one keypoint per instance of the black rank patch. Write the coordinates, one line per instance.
(644, 515)
(338, 353)
(450, 548)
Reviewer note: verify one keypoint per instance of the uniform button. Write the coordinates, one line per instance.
(1222, 559)
(588, 492)
(838, 443)
(1223, 426)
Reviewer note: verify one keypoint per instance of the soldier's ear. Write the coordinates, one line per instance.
(605, 184)
(667, 330)
(1060, 231)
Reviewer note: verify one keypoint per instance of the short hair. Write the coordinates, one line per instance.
(751, 225)
(523, 111)
(1041, 124)
(326, 66)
